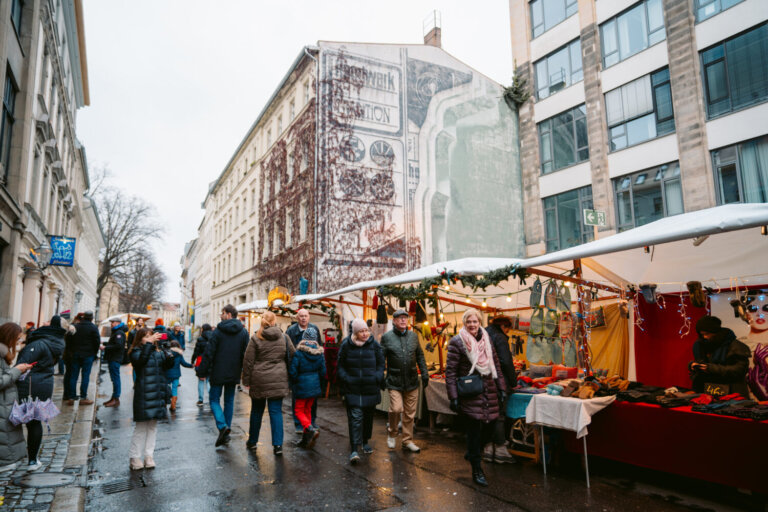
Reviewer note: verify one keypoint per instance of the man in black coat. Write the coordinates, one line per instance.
(295, 332)
(114, 351)
(222, 363)
(498, 332)
(720, 361)
(82, 348)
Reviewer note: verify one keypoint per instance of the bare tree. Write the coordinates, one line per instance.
(142, 283)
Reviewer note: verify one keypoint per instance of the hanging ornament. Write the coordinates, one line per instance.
(685, 330)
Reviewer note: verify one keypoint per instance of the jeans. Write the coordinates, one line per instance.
(79, 363)
(479, 434)
(114, 374)
(69, 393)
(201, 385)
(223, 418)
(296, 421)
(275, 408)
(175, 387)
(61, 366)
(360, 420)
(34, 439)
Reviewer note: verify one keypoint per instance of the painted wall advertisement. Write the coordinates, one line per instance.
(418, 163)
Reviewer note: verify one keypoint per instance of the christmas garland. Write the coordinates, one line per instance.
(426, 289)
(330, 310)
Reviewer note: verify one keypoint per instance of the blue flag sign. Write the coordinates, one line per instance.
(63, 251)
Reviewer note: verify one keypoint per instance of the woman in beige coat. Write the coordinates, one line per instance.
(265, 372)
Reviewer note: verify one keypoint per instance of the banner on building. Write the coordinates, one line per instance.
(63, 251)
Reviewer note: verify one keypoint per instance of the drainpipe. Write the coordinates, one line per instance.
(317, 148)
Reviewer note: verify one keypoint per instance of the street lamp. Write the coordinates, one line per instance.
(43, 255)
(78, 298)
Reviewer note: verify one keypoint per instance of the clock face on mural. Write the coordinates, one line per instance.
(382, 186)
(352, 149)
(352, 183)
(382, 153)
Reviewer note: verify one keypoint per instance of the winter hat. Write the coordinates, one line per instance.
(159, 321)
(311, 334)
(710, 324)
(358, 325)
(400, 312)
(56, 322)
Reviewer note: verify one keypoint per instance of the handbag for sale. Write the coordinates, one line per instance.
(469, 386)
(596, 318)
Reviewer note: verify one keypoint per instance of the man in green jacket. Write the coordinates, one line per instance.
(403, 352)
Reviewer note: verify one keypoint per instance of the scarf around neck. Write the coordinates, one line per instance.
(479, 352)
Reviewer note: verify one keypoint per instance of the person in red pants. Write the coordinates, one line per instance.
(306, 372)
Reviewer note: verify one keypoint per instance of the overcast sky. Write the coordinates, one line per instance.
(175, 85)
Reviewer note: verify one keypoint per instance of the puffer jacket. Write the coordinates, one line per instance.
(201, 345)
(307, 370)
(403, 352)
(501, 344)
(727, 361)
(265, 367)
(45, 345)
(12, 445)
(223, 358)
(485, 406)
(174, 372)
(150, 389)
(361, 372)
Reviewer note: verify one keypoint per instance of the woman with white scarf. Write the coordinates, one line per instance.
(471, 353)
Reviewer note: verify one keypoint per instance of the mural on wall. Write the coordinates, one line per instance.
(418, 163)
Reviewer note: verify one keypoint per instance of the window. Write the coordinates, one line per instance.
(563, 140)
(640, 110)
(632, 31)
(6, 123)
(303, 221)
(736, 72)
(289, 229)
(705, 9)
(16, 8)
(253, 199)
(269, 138)
(292, 109)
(307, 92)
(648, 195)
(545, 14)
(279, 125)
(564, 219)
(741, 172)
(276, 241)
(289, 167)
(558, 70)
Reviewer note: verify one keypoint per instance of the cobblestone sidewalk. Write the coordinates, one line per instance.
(60, 484)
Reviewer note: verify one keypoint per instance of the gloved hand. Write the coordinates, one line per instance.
(425, 382)
(454, 405)
(502, 397)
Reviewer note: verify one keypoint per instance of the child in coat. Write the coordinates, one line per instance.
(307, 371)
(174, 373)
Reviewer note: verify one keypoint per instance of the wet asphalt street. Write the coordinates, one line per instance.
(193, 475)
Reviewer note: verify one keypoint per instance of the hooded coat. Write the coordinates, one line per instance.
(174, 372)
(265, 368)
(85, 341)
(12, 445)
(200, 346)
(114, 349)
(45, 345)
(485, 406)
(150, 389)
(307, 369)
(361, 372)
(222, 361)
(727, 361)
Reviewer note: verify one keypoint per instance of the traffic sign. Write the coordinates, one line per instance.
(594, 218)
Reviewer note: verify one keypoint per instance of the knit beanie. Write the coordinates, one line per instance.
(710, 324)
(56, 322)
(311, 334)
(358, 325)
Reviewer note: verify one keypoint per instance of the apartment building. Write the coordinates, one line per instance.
(640, 108)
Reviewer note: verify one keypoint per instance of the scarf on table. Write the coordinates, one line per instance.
(479, 352)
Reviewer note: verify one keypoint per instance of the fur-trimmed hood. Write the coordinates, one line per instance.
(310, 347)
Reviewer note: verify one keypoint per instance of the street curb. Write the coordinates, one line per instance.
(72, 497)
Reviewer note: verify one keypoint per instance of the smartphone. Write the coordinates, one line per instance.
(163, 336)
(33, 364)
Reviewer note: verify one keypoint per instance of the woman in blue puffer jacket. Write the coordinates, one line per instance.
(307, 371)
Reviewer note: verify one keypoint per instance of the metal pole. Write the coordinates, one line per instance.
(543, 454)
(586, 459)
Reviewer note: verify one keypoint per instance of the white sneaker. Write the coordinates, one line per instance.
(410, 447)
(34, 465)
(391, 441)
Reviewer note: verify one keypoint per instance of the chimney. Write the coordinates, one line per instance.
(432, 31)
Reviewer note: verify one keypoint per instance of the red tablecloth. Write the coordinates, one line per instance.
(721, 449)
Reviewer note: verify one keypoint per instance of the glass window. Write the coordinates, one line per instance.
(632, 31)
(6, 122)
(564, 219)
(736, 72)
(640, 110)
(545, 14)
(563, 140)
(648, 195)
(707, 8)
(741, 172)
(558, 70)
(16, 8)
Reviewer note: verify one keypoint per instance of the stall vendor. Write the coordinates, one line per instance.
(720, 361)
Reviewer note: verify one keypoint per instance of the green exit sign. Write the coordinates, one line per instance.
(594, 218)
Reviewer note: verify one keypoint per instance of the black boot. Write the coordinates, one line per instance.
(478, 476)
(306, 437)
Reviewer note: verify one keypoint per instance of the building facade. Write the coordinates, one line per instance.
(43, 168)
(640, 109)
(369, 160)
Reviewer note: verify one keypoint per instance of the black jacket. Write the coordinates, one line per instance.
(295, 333)
(361, 372)
(201, 345)
(85, 341)
(45, 345)
(403, 353)
(501, 344)
(223, 358)
(727, 361)
(150, 389)
(114, 349)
